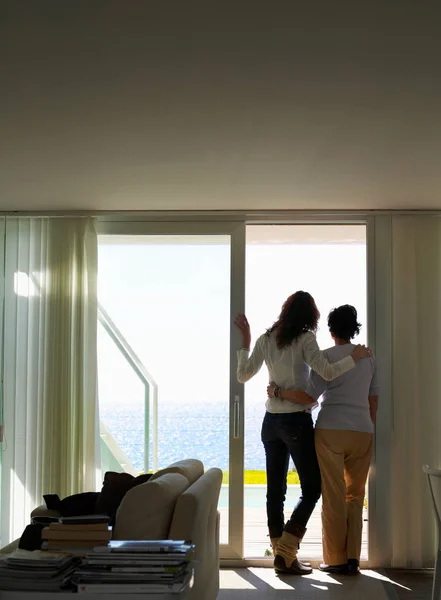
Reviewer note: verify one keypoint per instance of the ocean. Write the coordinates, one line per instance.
(185, 431)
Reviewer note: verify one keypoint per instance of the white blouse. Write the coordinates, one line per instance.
(288, 368)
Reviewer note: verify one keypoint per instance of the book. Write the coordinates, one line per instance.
(113, 560)
(44, 520)
(147, 571)
(75, 552)
(162, 560)
(52, 544)
(85, 519)
(40, 574)
(169, 572)
(149, 547)
(57, 526)
(133, 588)
(34, 558)
(62, 534)
(31, 585)
(108, 577)
(36, 570)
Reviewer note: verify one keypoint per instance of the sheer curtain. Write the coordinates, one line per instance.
(416, 384)
(50, 411)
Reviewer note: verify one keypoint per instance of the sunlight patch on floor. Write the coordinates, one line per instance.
(233, 580)
(385, 579)
(255, 583)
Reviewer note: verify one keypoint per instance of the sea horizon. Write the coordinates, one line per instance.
(185, 431)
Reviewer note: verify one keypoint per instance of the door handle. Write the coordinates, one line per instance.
(236, 417)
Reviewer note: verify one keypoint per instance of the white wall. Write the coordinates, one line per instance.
(142, 104)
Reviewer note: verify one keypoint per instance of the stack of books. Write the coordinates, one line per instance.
(23, 570)
(150, 567)
(77, 535)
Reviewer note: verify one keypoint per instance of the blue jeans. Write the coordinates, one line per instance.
(287, 435)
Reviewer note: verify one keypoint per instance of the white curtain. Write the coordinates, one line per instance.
(50, 411)
(416, 384)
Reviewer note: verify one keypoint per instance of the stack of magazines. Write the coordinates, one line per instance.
(150, 567)
(77, 535)
(36, 571)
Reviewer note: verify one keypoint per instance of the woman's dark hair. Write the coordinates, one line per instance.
(342, 322)
(299, 314)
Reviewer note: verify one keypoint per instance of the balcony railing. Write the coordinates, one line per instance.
(112, 454)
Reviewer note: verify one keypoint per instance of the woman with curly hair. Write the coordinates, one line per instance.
(343, 441)
(289, 349)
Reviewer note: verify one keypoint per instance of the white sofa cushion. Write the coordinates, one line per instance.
(196, 518)
(146, 511)
(191, 468)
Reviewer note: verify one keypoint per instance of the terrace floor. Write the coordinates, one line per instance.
(256, 539)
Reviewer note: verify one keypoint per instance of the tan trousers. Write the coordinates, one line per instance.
(344, 458)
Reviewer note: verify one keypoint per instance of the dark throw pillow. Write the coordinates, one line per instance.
(115, 487)
(73, 506)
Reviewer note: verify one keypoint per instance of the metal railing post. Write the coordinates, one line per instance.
(150, 386)
(146, 428)
(155, 428)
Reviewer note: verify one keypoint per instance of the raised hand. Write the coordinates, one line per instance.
(241, 323)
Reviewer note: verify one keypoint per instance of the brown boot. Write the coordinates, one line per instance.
(305, 563)
(286, 560)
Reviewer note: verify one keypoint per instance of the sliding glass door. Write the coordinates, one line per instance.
(329, 261)
(167, 385)
(168, 293)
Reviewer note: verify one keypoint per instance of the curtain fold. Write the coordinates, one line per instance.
(50, 365)
(416, 382)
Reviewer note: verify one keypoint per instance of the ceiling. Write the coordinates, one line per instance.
(142, 105)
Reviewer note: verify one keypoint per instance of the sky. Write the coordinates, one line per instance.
(171, 301)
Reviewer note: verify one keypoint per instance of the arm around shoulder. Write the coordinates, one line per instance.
(317, 360)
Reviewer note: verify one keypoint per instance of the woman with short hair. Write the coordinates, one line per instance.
(343, 441)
